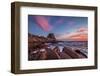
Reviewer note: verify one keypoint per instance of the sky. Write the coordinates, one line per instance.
(67, 28)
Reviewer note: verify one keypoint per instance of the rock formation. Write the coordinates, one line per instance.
(51, 37)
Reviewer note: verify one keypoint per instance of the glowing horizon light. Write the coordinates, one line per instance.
(67, 28)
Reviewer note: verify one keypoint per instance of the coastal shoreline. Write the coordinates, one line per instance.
(42, 48)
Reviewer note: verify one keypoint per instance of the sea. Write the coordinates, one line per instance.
(80, 45)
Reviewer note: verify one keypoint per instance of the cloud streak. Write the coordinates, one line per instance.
(80, 34)
(43, 23)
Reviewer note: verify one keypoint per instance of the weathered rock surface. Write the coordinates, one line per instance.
(70, 52)
(51, 54)
(64, 56)
(80, 54)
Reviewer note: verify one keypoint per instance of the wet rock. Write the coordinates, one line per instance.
(82, 55)
(43, 55)
(51, 54)
(56, 49)
(34, 56)
(70, 52)
(64, 55)
(61, 55)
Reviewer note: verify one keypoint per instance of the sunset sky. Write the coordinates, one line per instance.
(64, 27)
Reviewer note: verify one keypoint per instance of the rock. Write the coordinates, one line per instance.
(51, 37)
(56, 49)
(35, 41)
(36, 38)
(34, 56)
(70, 52)
(61, 55)
(51, 54)
(82, 55)
(64, 55)
(43, 55)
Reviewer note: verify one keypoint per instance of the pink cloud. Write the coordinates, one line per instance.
(43, 23)
(78, 35)
(82, 29)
